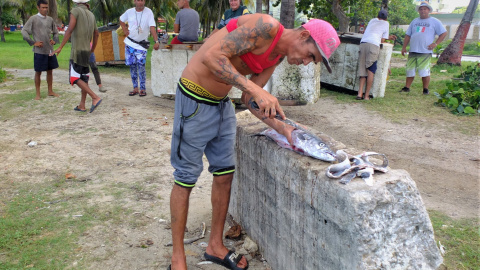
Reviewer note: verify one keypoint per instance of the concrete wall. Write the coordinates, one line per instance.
(167, 67)
(298, 83)
(303, 220)
(344, 62)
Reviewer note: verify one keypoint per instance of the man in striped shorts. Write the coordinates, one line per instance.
(421, 35)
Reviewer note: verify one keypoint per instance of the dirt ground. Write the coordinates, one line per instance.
(126, 143)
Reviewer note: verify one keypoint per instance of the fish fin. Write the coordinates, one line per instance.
(347, 178)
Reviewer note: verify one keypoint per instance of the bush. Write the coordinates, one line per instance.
(400, 33)
(8, 19)
(462, 95)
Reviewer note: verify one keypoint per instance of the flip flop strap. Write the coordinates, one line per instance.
(233, 257)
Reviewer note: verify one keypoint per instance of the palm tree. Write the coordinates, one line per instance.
(287, 13)
(453, 53)
(166, 9)
(52, 10)
(259, 6)
(5, 4)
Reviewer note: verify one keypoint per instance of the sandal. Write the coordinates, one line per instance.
(143, 93)
(132, 93)
(359, 98)
(229, 261)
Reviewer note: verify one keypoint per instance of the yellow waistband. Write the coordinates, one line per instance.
(198, 89)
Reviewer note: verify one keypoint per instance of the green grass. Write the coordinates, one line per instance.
(461, 239)
(40, 229)
(470, 48)
(403, 107)
(16, 53)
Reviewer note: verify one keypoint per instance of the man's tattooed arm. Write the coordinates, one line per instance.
(238, 42)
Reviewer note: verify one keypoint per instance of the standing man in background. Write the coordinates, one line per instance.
(82, 28)
(236, 10)
(377, 32)
(41, 26)
(421, 35)
(186, 24)
(141, 23)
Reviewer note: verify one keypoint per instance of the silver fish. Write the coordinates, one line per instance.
(351, 166)
(304, 143)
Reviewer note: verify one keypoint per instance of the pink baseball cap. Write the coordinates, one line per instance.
(325, 37)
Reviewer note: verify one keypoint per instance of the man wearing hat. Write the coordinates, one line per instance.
(82, 28)
(205, 120)
(377, 32)
(421, 36)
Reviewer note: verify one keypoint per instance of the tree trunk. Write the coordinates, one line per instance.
(68, 12)
(2, 36)
(258, 6)
(267, 11)
(385, 4)
(287, 14)
(343, 20)
(52, 10)
(453, 53)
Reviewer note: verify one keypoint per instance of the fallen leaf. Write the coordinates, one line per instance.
(234, 232)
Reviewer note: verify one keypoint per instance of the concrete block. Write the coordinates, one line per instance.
(303, 220)
(299, 83)
(344, 62)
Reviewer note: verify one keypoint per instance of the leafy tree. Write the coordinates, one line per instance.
(336, 11)
(6, 5)
(401, 12)
(453, 53)
(166, 9)
(332, 11)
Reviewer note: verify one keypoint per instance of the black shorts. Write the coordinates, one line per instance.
(77, 72)
(44, 62)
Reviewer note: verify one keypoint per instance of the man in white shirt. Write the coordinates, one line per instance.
(140, 23)
(377, 32)
(421, 35)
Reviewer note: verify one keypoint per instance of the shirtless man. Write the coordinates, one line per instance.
(205, 118)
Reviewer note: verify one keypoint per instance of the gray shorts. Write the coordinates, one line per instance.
(201, 125)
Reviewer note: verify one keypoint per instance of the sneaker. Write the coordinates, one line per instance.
(102, 89)
(425, 91)
(405, 89)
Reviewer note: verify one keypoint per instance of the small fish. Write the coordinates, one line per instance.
(304, 143)
(351, 166)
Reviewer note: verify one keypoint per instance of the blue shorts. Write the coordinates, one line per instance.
(206, 124)
(44, 62)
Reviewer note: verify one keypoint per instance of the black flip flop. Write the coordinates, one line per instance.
(79, 110)
(95, 106)
(230, 261)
